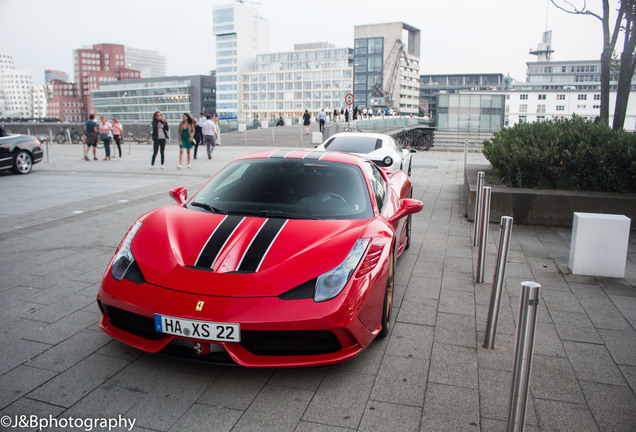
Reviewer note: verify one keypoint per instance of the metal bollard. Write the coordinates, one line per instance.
(483, 235)
(465, 154)
(273, 140)
(478, 204)
(245, 136)
(498, 282)
(522, 360)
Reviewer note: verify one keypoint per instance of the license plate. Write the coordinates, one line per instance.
(205, 330)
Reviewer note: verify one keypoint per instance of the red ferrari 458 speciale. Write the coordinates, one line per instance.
(284, 258)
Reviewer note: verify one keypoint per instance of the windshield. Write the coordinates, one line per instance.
(287, 188)
(353, 144)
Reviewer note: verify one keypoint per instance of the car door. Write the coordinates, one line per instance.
(6, 152)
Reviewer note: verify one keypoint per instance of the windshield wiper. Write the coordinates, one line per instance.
(206, 206)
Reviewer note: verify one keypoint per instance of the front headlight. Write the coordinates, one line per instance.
(124, 258)
(330, 284)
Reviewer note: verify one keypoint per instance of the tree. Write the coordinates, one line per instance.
(626, 13)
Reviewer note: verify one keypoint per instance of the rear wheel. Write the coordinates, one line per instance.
(388, 298)
(408, 233)
(60, 138)
(23, 163)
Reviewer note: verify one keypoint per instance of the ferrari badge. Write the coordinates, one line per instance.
(199, 306)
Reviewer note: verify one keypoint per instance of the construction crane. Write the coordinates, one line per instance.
(384, 96)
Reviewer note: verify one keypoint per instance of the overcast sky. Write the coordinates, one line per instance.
(458, 36)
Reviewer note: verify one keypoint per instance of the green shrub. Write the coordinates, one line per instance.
(572, 154)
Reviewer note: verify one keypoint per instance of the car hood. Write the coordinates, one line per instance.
(214, 254)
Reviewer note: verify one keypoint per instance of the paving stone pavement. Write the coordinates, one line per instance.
(61, 224)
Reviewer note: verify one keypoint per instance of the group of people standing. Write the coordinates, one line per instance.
(105, 131)
(191, 133)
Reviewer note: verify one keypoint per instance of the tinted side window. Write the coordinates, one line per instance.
(377, 183)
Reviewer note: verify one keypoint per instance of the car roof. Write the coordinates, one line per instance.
(361, 134)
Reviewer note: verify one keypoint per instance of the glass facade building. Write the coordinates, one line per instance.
(471, 111)
(137, 100)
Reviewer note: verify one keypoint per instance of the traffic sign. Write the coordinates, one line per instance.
(349, 99)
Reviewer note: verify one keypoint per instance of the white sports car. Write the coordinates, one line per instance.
(379, 148)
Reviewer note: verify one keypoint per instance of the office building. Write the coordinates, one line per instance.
(241, 33)
(433, 85)
(96, 65)
(386, 66)
(16, 88)
(150, 64)
(50, 75)
(64, 102)
(312, 77)
(137, 100)
(39, 95)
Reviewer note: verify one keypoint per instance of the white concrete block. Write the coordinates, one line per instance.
(241, 127)
(599, 244)
(264, 124)
(316, 137)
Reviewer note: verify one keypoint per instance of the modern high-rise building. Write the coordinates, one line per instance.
(16, 88)
(386, 66)
(97, 64)
(150, 64)
(241, 33)
(312, 77)
(50, 75)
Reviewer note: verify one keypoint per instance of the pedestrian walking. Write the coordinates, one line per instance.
(105, 134)
(198, 135)
(217, 122)
(209, 134)
(335, 115)
(306, 121)
(91, 128)
(186, 138)
(160, 134)
(117, 134)
(322, 118)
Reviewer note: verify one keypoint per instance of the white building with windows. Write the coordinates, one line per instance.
(241, 33)
(149, 63)
(312, 77)
(16, 88)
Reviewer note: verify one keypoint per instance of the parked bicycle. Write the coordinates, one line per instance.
(415, 138)
(62, 136)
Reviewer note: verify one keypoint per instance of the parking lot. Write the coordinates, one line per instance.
(61, 224)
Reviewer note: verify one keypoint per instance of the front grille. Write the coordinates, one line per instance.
(138, 325)
(289, 343)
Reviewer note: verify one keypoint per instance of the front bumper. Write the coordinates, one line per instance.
(274, 332)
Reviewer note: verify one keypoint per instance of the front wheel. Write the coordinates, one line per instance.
(60, 138)
(387, 307)
(23, 163)
(76, 138)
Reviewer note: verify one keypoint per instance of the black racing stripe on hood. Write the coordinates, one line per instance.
(260, 245)
(217, 240)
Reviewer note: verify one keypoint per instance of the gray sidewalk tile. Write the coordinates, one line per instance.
(107, 401)
(454, 365)
(236, 388)
(275, 409)
(401, 380)
(450, 408)
(455, 329)
(75, 383)
(388, 417)
(575, 327)
(547, 341)
(74, 349)
(627, 306)
(563, 416)
(593, 363)
(457, 302)
(20, 381)
(340, 400)
(494, 394)
(209, 418)
(554, 379)
(621, 345)
(306, 426)
(411, 340)
(604, 314)
(613, 407)
(303, 379)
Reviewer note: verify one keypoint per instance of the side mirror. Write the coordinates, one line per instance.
(409, 206)
(179, 194)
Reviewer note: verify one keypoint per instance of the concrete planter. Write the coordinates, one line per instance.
(542, 207)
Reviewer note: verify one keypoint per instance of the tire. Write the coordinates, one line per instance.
(387, 307)
(60, 138)
(408, 232)
(75, 138)
(23, 163)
